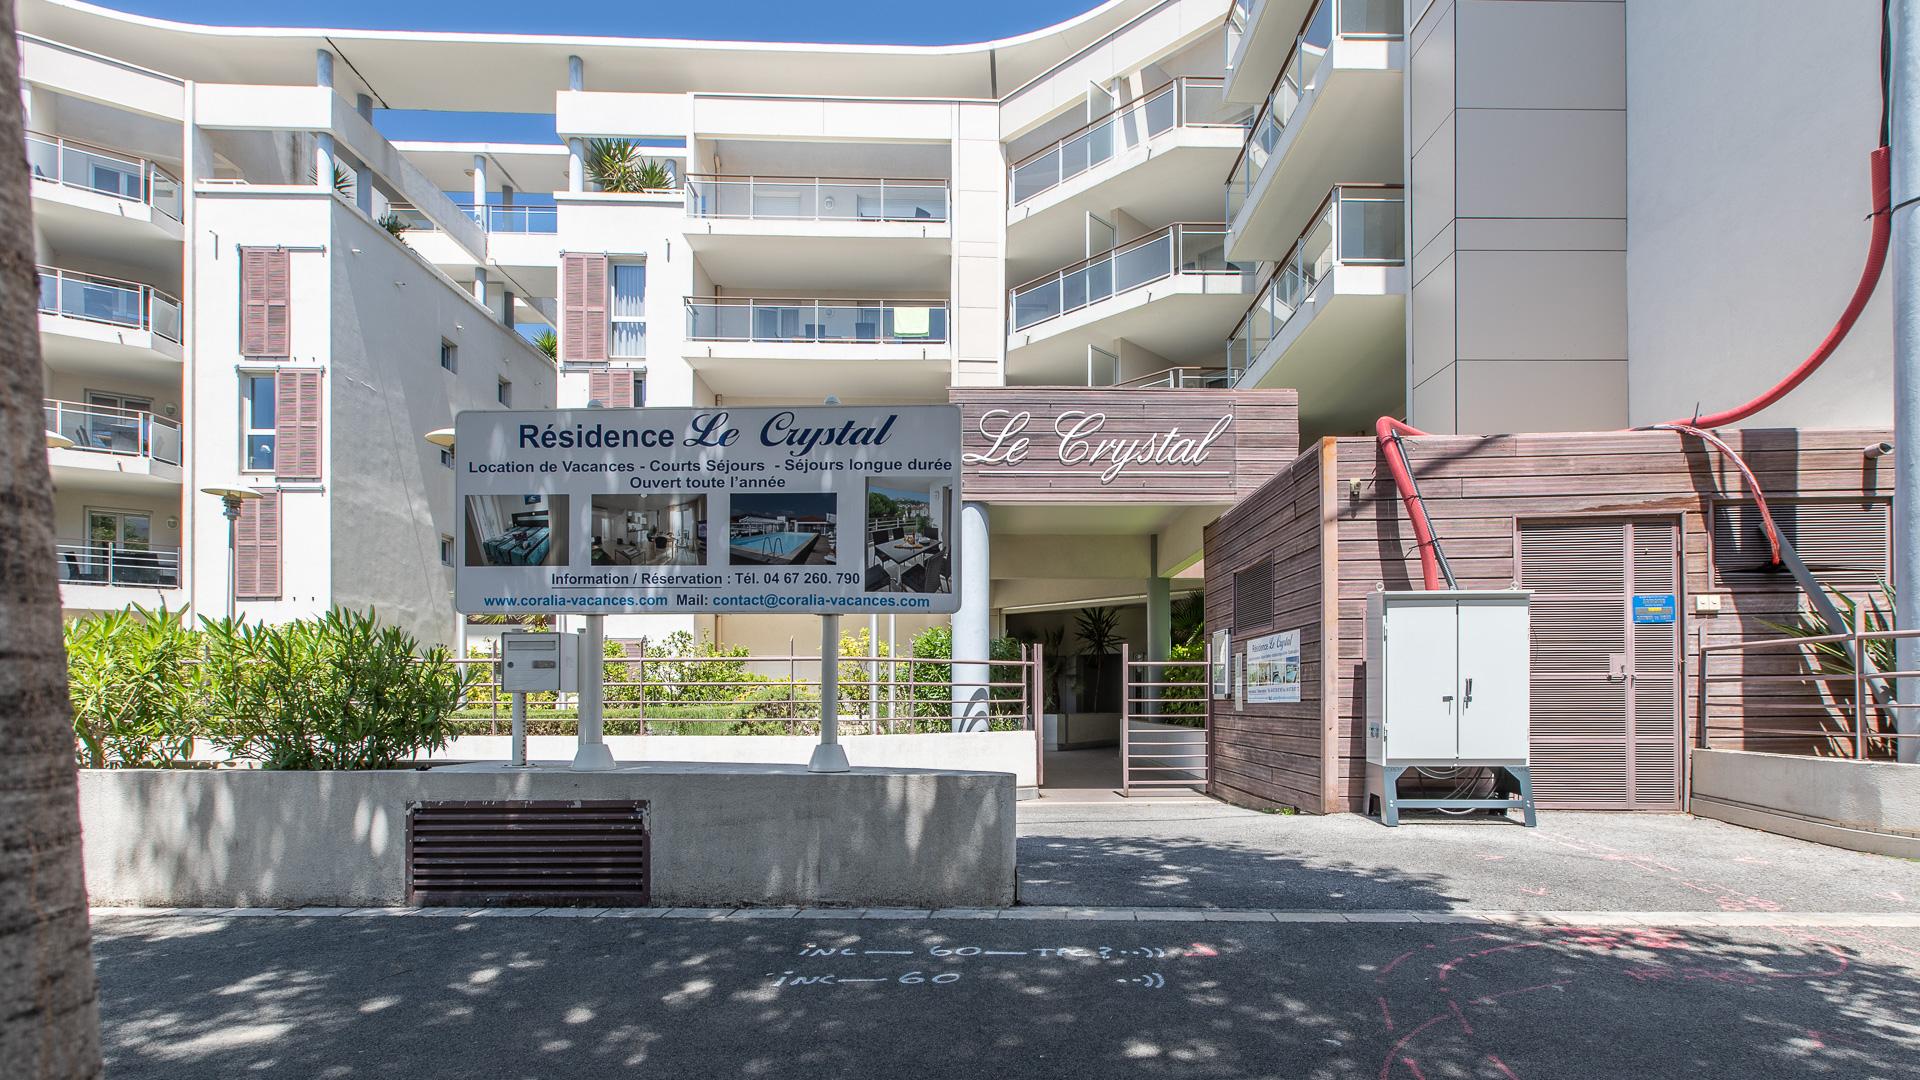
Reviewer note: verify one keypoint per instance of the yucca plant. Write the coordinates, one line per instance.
(654, 175)
(342, 182)
(1835, 658)
(548, 342)
(134, 687)
(393, 223)
(616, 165)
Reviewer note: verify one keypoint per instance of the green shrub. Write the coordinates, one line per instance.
(1186, 703)
(133, 684)
(339, 692)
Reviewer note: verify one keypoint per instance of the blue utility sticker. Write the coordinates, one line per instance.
(1653, 607)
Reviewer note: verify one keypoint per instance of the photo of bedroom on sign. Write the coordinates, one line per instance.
(517, 530)
(786, 529)
(649, 530)
(908, 543)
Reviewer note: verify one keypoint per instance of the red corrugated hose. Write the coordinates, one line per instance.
(1388, 429)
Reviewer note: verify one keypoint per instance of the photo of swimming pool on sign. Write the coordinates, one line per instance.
(787, 529)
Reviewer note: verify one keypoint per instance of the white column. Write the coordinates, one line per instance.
(323, 159)
(829, 756)
(972, 624)
(576, 73)
(480, 285)
(1905, 22)
(323, 68)
(576, 165)
(480, 188)
(591, 753)
(363, 104)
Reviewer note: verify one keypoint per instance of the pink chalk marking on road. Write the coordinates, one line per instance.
(1396, 961)
(1491, 998)
(1413, 1067)
(1460, 1016)
(1502, 1066)
(1386, 1067)
(1534, 890)
(1202, 950)
(1385, 1013)
(1446, 969)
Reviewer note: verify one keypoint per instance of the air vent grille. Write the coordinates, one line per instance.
(519, 853)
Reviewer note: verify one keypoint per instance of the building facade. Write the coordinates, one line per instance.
(1250, 224)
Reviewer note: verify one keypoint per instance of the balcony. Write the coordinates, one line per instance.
(1187, 102)
(853, 233)
(758, 347)
(1259, 32)
(1169, 292)
(1333, 114)
(1182, 378)
(102, 197)
(103, 576)
(91, 324)
(1329, 322)
(118, 449)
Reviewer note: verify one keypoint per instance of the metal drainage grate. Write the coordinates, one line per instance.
(520, 853)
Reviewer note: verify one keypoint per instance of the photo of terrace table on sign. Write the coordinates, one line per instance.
(649, 530)
(516, 530)
(908, 539)
(782, 529)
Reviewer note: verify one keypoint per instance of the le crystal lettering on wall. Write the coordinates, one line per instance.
(1081, 444)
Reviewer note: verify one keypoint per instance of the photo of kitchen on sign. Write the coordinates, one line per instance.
(784, 529)
(909, 544)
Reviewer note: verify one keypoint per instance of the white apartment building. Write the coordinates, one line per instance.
(1483, 215)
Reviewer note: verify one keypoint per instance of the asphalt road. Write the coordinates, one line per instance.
(417, 997)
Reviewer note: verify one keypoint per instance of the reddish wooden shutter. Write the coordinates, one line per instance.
(600, 386)
(296, 425)
(583, 307)
(620, 389)
(263, 302)
(256, 549)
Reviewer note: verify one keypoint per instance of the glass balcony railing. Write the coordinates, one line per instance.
(96, 562)
(111, 301)
(1356, 225)
(894, 322)
(1184, 102)
(1299, 76)
(1176, 249)
(537, 220)
(103, 429)
(816, 198)
(95, 168)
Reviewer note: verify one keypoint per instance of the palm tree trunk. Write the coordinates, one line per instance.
(49, 1007)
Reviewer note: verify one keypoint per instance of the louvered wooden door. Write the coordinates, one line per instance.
(1606, 692)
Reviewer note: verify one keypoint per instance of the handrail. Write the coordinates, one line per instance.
(146, 299)
(1117, 249)
(1314, 219)
(96, 562)
(882, 329)
(147, 168)
(1176, 378)
(924, 181)
(716, 195)
(106, 429)
(1136, 103)
(1854, 735)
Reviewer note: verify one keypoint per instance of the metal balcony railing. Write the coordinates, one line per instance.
(102, 429)
(95, 562)
(64, 161)
(731, 318)
(1299, 75)
(1356, 224)
(109, 300)
(1239, 17)
(1189, 101)
(1176, 249)
(1181, 378)
(816, 198)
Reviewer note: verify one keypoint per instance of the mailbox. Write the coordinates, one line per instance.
(534, 662)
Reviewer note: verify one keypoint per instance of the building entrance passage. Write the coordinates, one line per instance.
(1165, 708)
(1606, 731)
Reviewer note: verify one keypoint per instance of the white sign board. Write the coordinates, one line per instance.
(1222, 674)
(1273, 667)
(826, 510)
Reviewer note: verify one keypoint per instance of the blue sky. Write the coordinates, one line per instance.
(898, 22)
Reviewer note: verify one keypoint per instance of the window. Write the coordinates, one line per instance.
(639, 389)
(446, 549)
(256, 423)
(446, 457)
(504, 394)
(449, 355)
(628, 310)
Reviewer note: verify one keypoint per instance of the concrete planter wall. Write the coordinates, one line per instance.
(1864, 805)
(722, 834)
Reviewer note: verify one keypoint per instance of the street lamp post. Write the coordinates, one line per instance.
(230, 500)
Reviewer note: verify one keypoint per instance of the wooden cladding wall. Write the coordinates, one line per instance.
(1049, 443)
(1478, 491)
(1271, 754)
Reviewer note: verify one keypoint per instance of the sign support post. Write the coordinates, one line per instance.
(829, 756)
(592, 755)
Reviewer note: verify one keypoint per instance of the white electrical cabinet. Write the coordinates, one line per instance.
(1447, 686)
(530, 663)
